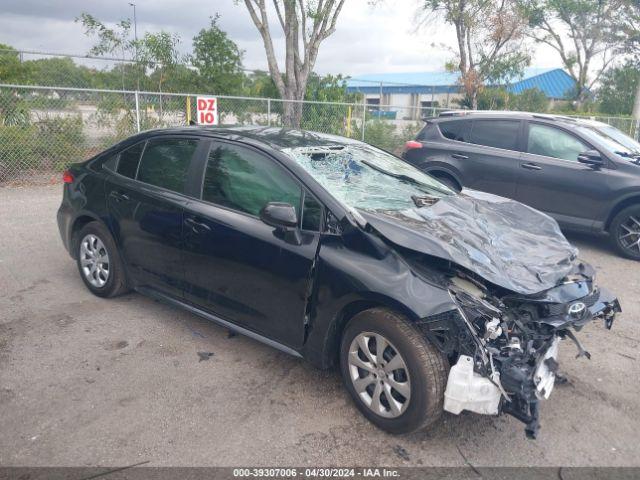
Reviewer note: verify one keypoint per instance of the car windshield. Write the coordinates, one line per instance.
(613, 139)
(362, 176)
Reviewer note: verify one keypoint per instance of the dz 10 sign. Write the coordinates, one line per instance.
(207, 110)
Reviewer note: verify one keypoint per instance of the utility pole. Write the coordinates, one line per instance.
(135, 36)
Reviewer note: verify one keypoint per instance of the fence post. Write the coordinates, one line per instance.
(364, 113)
(137, 111)
(268, 112)
(636, 134)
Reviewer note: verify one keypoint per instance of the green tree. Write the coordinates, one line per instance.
(490, 45)
(11, 69)
(115, 42)
(584, 33)
(159, 52)
(322, 116)
(218, 60)
(618, 89)
(57, 71)
(260, 84)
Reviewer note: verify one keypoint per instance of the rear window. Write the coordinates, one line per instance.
(129, 159)
(456, 130)
(496, 133)
(165, 163)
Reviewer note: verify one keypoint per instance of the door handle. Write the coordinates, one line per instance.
(196, 226)
(531, 166)
(119, 196)
(459, 156)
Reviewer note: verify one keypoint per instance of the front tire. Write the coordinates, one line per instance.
(399, 388)
(99, 261)
(625, 232)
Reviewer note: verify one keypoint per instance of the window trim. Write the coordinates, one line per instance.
(565, 130)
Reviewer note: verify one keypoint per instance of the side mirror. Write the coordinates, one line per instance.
(279, 215)
(591, 158)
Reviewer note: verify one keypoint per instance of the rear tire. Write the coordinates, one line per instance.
(625, 232)
(420, 373)
(99, 261)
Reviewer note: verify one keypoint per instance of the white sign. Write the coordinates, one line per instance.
(207, 110)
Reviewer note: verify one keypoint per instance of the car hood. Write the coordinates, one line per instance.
(505, 242)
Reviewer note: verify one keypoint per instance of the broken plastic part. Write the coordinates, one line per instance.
(468, 390)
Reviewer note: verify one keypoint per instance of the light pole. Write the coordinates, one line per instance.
(135, 36)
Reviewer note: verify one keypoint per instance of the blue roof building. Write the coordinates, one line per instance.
(406, 92)
(554, 82)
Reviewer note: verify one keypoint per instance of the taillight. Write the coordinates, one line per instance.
(411, 145)
(67, 176)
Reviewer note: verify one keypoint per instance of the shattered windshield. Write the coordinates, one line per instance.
(365, 177)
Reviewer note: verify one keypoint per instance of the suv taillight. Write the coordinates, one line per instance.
(411, 145)
(67, 176)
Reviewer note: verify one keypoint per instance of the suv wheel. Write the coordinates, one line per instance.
(625, 232)
(99, 262)
(395, 377)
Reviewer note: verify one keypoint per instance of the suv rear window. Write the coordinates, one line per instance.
(456, 130)
(496, 133)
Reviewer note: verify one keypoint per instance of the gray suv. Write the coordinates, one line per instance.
(583, 173)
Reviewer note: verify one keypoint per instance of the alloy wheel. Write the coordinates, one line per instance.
(379, 374)
(629, 234)
(94, 260)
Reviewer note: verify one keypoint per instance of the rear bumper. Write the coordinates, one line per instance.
(65, 218)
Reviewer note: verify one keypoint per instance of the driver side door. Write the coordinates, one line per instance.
(236, 266)
(551, 179)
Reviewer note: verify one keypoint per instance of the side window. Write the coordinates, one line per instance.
(311, 214)
(129, 159)
(496, 133)
(111, 162)
(165, 162)
(553, 142)
(242, 179)
(456, 130)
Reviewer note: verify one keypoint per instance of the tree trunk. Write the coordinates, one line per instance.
(292, 114)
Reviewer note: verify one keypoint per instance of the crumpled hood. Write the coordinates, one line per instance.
(505, 242)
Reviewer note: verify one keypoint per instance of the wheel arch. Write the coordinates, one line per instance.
(331, 349)
(634, 199)
(436, 169)
(82, 219)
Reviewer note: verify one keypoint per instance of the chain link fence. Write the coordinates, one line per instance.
(45, 128)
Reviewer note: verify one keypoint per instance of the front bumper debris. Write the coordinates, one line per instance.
(507, 350)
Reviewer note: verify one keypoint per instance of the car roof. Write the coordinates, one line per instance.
(278, 138)
(451, 114)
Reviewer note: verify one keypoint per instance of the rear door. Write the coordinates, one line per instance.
(236, 266)
(493, 156)
(145, 200)
(551, 179)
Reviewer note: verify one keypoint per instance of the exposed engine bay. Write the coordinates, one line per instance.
(503, 346)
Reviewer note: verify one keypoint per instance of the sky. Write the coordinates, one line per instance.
(369, 39)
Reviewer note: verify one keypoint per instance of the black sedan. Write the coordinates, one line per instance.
(338, 252)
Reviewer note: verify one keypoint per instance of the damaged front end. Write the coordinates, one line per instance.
(504, 345)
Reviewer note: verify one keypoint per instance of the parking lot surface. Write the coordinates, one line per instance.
(87, 381)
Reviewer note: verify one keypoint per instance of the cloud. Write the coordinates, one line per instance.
(368, 39)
